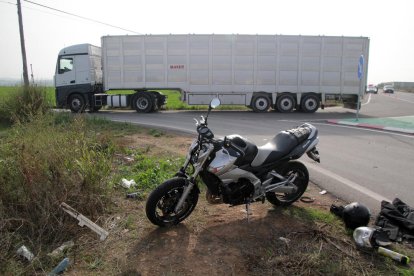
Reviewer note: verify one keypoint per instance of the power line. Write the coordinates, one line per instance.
(79, 16)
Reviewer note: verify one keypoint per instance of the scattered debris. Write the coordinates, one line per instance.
(285, 240)
(66, 245)
(60, 267)
(137, 195)
(354, 214)
(394, 255)
(397, 218)
(128, 183)
(368, 237)
(84, 221)
(126, 159)
(307, 199)
(24, 252)
(323, 192)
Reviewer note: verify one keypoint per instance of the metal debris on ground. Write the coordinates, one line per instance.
(84, 221)
(307, 199)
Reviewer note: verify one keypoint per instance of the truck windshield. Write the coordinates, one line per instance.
(65, 65)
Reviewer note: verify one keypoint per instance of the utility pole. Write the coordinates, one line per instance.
(25, 74)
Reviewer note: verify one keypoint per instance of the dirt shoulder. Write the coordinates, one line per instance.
(303, 239)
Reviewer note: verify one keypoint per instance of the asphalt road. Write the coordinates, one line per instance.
(357, 164)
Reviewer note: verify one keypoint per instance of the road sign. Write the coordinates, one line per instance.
(360, 67)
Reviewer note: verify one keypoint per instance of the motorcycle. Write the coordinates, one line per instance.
(236, 172)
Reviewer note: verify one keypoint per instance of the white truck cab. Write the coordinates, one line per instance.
(78, 73)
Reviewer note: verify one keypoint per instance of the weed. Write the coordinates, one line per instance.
(43, 163)
(129, 222)
(155, 132)
(95, 264)
(24, 104)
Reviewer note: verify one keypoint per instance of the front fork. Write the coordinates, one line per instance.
(191, 182)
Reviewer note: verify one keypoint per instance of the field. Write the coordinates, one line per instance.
(173, 99)
(7, 91)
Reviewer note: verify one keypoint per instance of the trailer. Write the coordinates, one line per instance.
(283, 72)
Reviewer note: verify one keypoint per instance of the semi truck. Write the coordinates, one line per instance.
(282, 72)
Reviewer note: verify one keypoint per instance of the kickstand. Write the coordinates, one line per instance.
(247, 211)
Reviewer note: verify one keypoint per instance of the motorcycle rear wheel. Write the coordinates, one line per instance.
(162, 201)
(301, 182)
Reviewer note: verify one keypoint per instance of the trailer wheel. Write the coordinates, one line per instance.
(310, 103)
(143, 103)
(76, 103)
(285, 103)
(260, 103)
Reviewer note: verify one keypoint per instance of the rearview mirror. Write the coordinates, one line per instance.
(215, 103)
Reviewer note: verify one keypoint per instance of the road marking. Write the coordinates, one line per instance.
(369, 100)
(350, 125)
(348, 182)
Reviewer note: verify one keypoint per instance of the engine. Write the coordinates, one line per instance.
(236, 193)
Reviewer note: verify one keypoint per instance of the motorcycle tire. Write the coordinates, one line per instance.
(162, 201)
(301, 182)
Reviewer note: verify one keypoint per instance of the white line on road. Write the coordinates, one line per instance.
(369, 100)
(351, 126)
(348, 183)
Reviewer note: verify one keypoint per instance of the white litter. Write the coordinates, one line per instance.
(128, 183)
(323, 192)
(24, 252)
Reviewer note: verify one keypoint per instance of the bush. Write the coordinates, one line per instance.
(24, 104)
(52, 159)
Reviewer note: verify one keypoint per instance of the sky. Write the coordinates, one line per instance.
(388, 24)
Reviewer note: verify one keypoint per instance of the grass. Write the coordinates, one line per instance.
(173, 98)
(312, 215)
(174, 101)
(9, 91)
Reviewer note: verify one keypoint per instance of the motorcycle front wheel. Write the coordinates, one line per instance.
(162, 201)
(301, 182)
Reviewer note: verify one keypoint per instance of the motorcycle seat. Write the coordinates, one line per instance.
(282, 144)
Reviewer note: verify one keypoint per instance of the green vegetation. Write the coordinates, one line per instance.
(43, 163)
(312, 215)
(173, 98)
(174, 101)
(49, 158)
(21, 104)
(55, 158)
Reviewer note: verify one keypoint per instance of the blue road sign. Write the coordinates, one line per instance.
(360, 67)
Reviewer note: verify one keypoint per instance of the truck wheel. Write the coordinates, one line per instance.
(76, 103)
(310, 104)
(285, 103)
(143, 103)
(260, 103)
